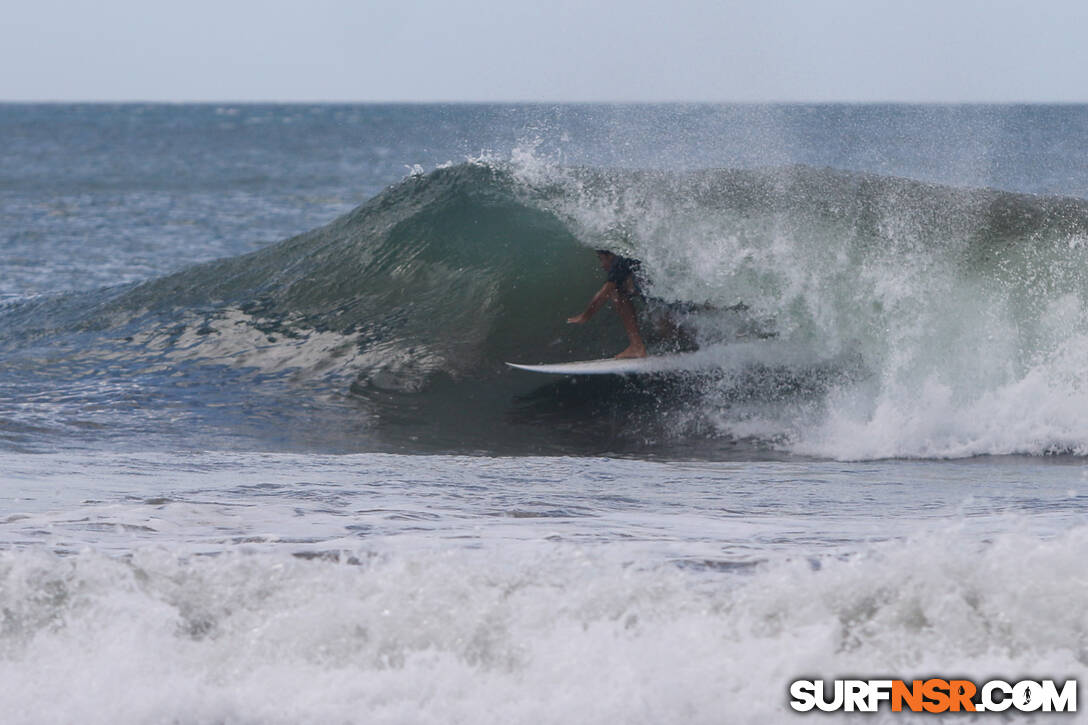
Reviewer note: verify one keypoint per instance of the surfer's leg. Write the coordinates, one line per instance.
(626, 310)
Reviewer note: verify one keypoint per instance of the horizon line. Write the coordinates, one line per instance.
(472, 102)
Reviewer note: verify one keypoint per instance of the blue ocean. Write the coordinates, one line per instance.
(262, 459)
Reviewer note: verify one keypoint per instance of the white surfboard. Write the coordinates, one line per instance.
(630, 366)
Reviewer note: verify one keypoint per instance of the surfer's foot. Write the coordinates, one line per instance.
(632, 351)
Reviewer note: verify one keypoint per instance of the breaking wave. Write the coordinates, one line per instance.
(878, 316)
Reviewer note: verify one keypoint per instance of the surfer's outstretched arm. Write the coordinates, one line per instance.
(627, 314)
(607, 292)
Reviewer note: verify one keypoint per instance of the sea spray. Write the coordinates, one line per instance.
(897, 318)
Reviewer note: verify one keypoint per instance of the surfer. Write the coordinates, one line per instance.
(621, 287)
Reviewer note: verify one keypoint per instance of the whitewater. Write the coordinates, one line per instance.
(262, 461)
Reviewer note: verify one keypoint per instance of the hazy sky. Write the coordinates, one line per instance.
(555, 50)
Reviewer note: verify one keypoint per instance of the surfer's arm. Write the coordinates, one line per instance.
(607, 292)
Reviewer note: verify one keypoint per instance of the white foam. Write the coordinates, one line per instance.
(542, 634)
(972, 346)
(1044, 411)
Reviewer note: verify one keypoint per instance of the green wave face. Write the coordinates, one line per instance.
(888, 300)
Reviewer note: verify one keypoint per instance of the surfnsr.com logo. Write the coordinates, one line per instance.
(933, 695)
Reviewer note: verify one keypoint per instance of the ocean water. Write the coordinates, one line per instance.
(262, 461)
